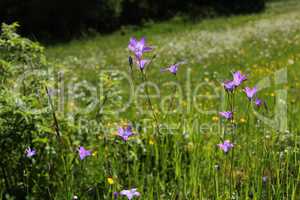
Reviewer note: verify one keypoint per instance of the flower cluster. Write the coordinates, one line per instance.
(238, 79)
(139, 48)
(230, 86)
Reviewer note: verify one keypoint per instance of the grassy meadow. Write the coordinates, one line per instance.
(174, 152)
(175, 155)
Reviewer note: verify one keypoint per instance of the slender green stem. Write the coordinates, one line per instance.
(170, 107)
(145, 81)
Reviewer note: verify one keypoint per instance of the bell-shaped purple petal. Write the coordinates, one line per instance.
(250, 92)
(238, 78)
(125, 133)
(226, 114)
(142, 63)
(226, 146)
(258, 102)
(30, 152)
(146, 49)
(138, 47)
(130, 194)
(83, 153)
(132, 44)
(172, 68)
(116, 194)
(229, 86)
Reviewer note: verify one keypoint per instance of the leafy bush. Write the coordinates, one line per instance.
(21, 126)
(28, 118)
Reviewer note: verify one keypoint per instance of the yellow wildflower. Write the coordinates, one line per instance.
(151, 141)
(215, 118)
(110, 180)
(242, 120)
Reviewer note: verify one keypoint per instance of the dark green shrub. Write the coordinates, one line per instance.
(28, 119)
(239, 6)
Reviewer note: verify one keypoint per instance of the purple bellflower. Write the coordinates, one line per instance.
(138, 47)
(226, 114)
(225, 146)
(250, 92)
(83, 153)
(229, 86)
(142, 64)
(172, 68)
(125, 133)
(258, 102)
(130, 194)
(30, 152)
(116, 194)
(238, 78)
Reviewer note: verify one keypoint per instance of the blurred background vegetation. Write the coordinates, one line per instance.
(57, 19)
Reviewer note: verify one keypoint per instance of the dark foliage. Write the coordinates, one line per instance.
(67, 18)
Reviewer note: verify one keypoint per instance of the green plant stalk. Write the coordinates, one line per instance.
(144, 78)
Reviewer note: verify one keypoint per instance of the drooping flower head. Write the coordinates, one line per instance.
(125, 133)
(172, 68)
(226, 114)
(83, 152)
(130, 194)
(226, 146)
(138, 47)
(130, 61)
(116, 194)
(250, 92)
(238, 78)
(30, 152)
(258, 102)
(229, 86)
(142, 63)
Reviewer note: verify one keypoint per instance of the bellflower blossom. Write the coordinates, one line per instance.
(226, 114)
(142, 64)
(229, 86)
(226, 146)
(138, 47)
(30, 152)
(130, 194)
(172, 68)
(250, 92)
(116, 194)
(238, 78)
(83, 153)
(125, 133)
(258, 102)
